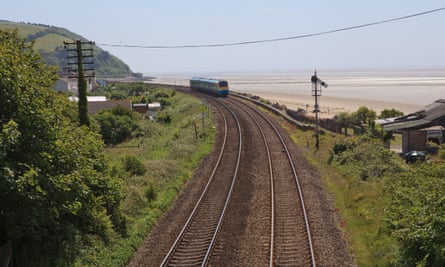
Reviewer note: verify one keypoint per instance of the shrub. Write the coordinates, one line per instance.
(133, 165)
(116, 125)
(55, 185)
(151, 193)
(416, 215)
(164, 117)
(366, 157)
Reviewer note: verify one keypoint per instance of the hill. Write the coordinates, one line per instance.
(49, 42)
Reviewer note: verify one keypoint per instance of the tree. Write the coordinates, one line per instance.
(55, 186)
(416, 217)
(116, 125)
(343, 118)
(365, 115)
(390, 113)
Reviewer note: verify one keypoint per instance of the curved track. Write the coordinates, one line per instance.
(248, 210)
(290, 236)
(195, 242)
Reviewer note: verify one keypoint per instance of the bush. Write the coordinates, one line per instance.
(164, 117)
(151, 192)
(133, 165)
(416, 215)
(55, 186)
(116, 125)
(442, 151)
(366, 157)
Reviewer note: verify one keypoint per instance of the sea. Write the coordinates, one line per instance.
(407, 90)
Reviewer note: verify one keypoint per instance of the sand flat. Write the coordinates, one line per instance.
(405, 90)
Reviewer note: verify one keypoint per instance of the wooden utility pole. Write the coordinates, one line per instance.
(316, 92)
(81, 66)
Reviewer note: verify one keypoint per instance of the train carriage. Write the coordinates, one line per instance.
(210, 86)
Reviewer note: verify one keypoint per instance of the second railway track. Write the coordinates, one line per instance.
(195, 242)
(285, 235)
(286, 228)
(252, 211)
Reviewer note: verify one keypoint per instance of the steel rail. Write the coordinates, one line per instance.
(272, 190)
(297, 181)
(230, 190)
(187, 225)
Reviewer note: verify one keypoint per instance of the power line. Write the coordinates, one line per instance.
(275, 39)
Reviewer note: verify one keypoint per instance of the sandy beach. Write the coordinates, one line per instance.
(404, 90)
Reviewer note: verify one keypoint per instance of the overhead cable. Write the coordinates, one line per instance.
(275, 39)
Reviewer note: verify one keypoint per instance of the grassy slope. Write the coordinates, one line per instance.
(359, 203)
(170, 152)
(53, 37)
(24, 29)
(49, 42)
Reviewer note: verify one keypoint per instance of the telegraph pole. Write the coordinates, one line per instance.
(316, 92)
(80, 66)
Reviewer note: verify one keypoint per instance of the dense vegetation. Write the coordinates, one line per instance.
(116, 125)
(63, 201)
(393, 212)
(56, 187)
(154, 163)
(49, 43)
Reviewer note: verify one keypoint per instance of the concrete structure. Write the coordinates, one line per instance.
(95, 107)
(70, 85)
(98, 103)
(421, 128)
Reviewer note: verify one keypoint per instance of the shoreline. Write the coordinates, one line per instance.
(330, 106)
(404, 90)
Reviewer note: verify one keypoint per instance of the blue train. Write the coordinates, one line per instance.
(210, 86)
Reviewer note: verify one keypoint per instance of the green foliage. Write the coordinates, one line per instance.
(367, 157)
(344, 119)
(83, 103)
(55, 187)
(48, 40)
(412, 198)
(365, 115)
(118, 96)
(416, 215)
(121, 111)
(161, 94)
(390, 113)
(442, 151)
(151, 193)
(343, 146)
(164, 117)
(133, 165)
(161, 150)
(116, 125)
(359, 203)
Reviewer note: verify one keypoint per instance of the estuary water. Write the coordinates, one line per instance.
(406, 90)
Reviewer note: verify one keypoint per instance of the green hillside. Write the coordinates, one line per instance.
(49, 42)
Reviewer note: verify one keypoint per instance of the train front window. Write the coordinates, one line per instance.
(223, 83)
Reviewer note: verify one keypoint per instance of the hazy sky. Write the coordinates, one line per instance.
(413, 43)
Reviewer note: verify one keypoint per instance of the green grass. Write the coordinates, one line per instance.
(24, 29)
(170, 152)
(49, 42)
(48, 38)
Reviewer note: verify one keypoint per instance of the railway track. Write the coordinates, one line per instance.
(250, 209)
(195, 242)
(290, 241)
(290, 236)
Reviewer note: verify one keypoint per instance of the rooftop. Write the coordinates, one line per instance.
(419, 119)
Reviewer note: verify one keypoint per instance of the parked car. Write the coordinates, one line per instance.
(414, 156)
